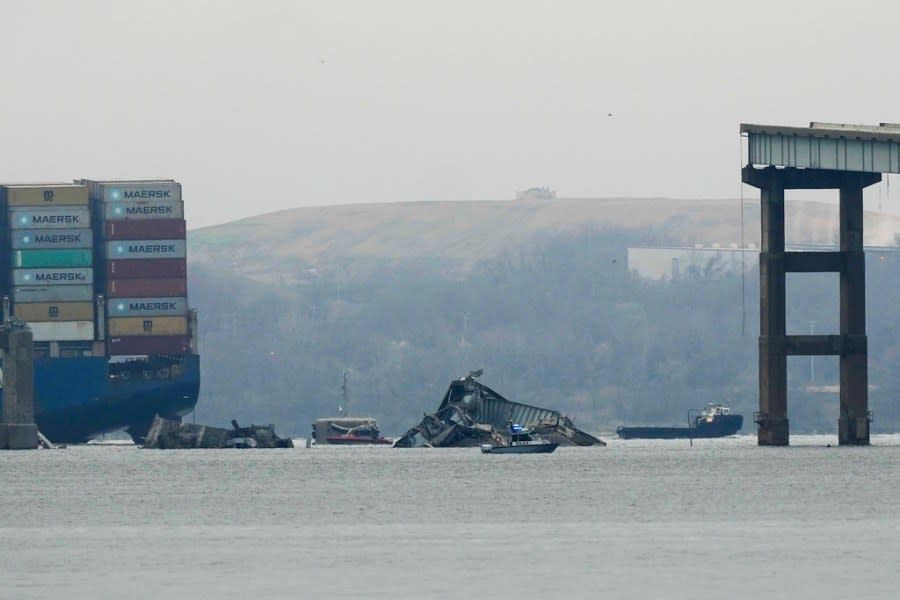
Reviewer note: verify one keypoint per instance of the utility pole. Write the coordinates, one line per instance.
(812, 363)
(345, 394)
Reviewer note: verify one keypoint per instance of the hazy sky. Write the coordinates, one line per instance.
(262, 106)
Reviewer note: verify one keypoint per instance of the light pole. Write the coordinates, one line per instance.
(812, 363)
(691, 425)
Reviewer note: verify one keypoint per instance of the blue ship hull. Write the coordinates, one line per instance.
(77, 399)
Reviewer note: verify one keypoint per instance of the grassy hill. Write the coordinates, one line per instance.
(408, 296)
(464, 233)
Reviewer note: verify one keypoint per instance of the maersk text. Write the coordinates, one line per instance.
(60, 277)
(67, 238)
(146, 194)
(49, 219)
(153, 248)
(148, 210)
(152, 306)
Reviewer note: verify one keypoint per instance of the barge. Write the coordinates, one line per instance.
(716, 420)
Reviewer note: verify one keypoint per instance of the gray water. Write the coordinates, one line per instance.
(637, 519)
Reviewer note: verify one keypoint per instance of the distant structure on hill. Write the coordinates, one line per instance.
(694, 262)
(536, 193)
(716, 261)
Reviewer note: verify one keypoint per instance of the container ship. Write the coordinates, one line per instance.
(98, 271)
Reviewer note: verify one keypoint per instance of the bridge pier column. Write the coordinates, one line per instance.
(17, 417)
(853, 424)
(772, 417)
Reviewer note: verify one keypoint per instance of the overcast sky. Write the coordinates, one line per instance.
(262, 106)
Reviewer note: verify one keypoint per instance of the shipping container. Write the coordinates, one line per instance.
(65, 194)
(53, 293)
(146, 268)
(146, 288)
(54, 311)
(64, 217)
(36, 259)
(134, 249)
(128, 326)
(140, 307)
(57, 276)
(67, 331)
(52, 238)
(136, 189)
(149, 229)
(149, 344)
(143, 210)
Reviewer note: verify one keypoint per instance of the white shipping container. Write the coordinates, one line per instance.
(142, 189)
(62, 217)
(51, 276)
(127, 249)
(52, 238)
(143, 209)
(53, 293)
(63, 331)
(145, 307)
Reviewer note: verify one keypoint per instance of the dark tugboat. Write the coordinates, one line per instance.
(713, 421)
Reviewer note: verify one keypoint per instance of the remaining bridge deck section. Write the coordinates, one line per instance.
(833, 146)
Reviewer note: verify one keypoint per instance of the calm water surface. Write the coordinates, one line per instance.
(637, 519)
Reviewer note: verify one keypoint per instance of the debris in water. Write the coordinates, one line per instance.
(473, 414)
(166, 434)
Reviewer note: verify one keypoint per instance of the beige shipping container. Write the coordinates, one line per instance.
(124, 326)
(54, 311)
(63, 331)
(47, 195)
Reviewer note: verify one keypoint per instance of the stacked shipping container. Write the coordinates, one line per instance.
(48, 249)
(143, 272)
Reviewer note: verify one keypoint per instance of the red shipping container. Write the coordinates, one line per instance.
(150, 229)
(149, 344)
(146, 288)
(146, 268)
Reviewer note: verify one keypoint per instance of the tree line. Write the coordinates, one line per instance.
(558, 322)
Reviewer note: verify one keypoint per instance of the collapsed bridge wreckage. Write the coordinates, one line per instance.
(472, 414)
(169, 434)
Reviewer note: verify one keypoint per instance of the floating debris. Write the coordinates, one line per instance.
(167, 434)
(473, 414)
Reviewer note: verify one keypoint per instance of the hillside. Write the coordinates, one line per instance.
(464, 233)
(405, 297)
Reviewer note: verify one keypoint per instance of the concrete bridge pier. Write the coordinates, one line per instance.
(853, 423)
(17, 428)
(774, 428)
(774, 264)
